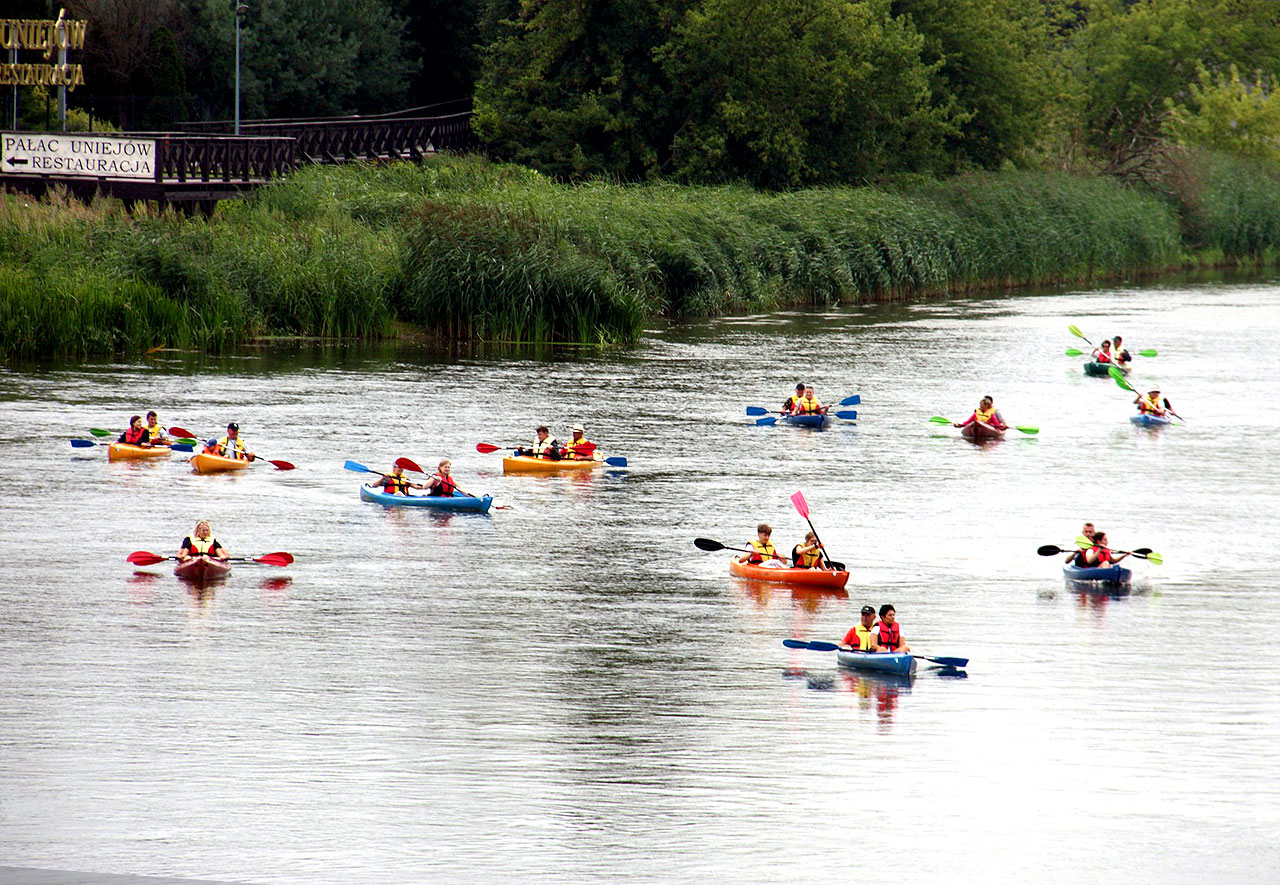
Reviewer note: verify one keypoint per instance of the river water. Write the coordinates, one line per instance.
(568, 690)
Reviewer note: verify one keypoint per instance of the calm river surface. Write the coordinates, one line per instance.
(568, 690)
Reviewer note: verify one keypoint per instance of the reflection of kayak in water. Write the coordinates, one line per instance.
(805, 577)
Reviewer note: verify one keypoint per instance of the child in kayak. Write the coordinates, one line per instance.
(808, 553)
(441, 484)
(396, 483)
(986, 413)
(765, 554)
(137, 434)
(888, 634)
(809, 404)
(201, 542)
(1150, 404)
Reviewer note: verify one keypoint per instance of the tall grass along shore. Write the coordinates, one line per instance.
(464, 248)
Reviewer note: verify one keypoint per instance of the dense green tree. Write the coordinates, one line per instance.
(446, 33)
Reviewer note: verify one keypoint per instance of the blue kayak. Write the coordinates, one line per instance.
(1113, 574)
(902, 664)
(1148, 420)
(459, 501)
(818, 421)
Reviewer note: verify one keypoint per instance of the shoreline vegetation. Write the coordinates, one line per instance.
(462, 248)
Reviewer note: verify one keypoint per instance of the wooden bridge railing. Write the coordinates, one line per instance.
(210, 158)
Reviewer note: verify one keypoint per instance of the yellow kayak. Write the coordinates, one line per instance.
(119, 451)
(522, 464)
(206, 462)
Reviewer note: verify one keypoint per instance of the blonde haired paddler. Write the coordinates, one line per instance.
(201, 542)
(441, 484)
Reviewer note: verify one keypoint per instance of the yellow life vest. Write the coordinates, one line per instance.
(764, 551)
(864, 634)
(202, 547)
(808, 405)
(791, 402)
(984, 415)
(230, 450)
(156, 431)
(810, 559)
(1149, 405)
(572, 455)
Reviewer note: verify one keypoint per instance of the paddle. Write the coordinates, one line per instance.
(1030, 431)
(1075, 351)
(1171, 411)
(144, 557)
(488, 448)
(86, 443)
(818, 645)
(855, 400)
(1124, 384)
(1142, 553)
(178, 438)
(802, 507)
(849, 415)
(713, 546)
(1076, 331)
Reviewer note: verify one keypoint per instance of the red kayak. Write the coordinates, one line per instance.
(977, 432)
(202, 568)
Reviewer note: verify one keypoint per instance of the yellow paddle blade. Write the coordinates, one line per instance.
(1082, 542)
(1155, 559)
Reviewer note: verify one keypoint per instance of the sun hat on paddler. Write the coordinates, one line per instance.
(578, 428)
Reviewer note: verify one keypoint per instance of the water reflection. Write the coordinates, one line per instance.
(876, 693)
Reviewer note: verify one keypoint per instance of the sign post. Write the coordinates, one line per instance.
(46, 38)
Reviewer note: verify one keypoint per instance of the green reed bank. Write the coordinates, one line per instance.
(459, 247)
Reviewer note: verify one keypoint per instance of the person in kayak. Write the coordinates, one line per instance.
(861, 637)
(1149, 404)
(230, 446)
(201, 542)
(1077, 556)
(137, 434)
(1102, 353)
(809, 404)
(441, 484)
(888, 633)
(544, 446)
(764, 552)
(579, 448)
(1100, 555)
(395, 482)
(793, 399)
(159, 436)
(986, 413)
(808, 553)
(1121, 356)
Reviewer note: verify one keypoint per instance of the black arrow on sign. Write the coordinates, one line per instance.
(17, 161)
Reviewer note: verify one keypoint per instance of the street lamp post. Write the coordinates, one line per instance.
(240, 10)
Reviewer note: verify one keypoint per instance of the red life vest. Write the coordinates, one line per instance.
(136, 437)
(1103, 357)
(890, 637)
(1103, 555)
(443, 487)
(395, 485)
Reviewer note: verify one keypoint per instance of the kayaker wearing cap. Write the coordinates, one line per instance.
(201, 542)
(862, 637)
(157, 433)
(441, 484)
(808, 553)
(579, 448)
(395, 482)
(765, 554)
(793, 399)
(1100, 555)
(809, 404)
(1102, 353)
(986, 413)
(137, 434)
(1118, 353)
(230, 446)
(544, 446)
(1149, 404)
(888, 633)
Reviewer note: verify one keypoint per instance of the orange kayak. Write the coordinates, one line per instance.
(805, 577)
(202, 568)
(119, 451)
(522, 464)
(204, 462)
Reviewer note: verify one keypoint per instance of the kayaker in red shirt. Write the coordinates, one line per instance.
(441, 484)
(986, 413)
(1150, 404)
(201, 542)
(578, 448)
(888, 633)
(862, 637)
(1100, 555)
(137, 434)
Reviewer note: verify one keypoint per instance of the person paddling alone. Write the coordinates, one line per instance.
(230, 446)
(862, 637)
(137, 434)
(441, 484)
(1149, 404)
(201, 542)
(888, 634)
(987, 414)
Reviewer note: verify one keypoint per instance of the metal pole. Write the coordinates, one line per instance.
(240, 10)
(13, 59)
(61, 31)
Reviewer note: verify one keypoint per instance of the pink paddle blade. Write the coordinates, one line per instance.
(802, 506)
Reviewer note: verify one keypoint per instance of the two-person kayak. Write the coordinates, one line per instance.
(1103, 370)
(1112, 574)
(1146, 419)
(899, 663)
(458, 501)
(805, 577)
(526, 464)
(118, 451)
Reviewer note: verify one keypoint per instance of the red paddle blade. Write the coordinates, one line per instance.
(486, 448)
(802, 506)
(179, 431)
(274, 558)
(282, 465)
(407, 464)
(583, 448)
(142, 557)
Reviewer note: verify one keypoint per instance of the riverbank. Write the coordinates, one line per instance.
(459, 247)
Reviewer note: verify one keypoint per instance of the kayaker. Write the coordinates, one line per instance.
(1118, 353)
(137, 434)
(765, 554)
(1102, 353)
(579, 448)
(808, 553)
(986, 413)
(862, 637)
(888, 633)
(809, 404)
(159, 437)
(793, 399)
(230, 446)
(1100, 555)
(201, 542)
(1077, 556)
(1149, 404)
(396, 483)
(441, 484)
(544, 446)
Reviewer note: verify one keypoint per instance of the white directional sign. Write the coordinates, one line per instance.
(71, 153)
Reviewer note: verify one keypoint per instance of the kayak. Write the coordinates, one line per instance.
(119, 451)
(1148, 420)
(1113, 574)
(202, 568)
(459, 501)
(902, 664)
(524, 464)
(205, 462)
(808, 577)
(1103, 370)
(976, 432)
(817, 421)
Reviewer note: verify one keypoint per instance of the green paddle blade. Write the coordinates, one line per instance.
(1031, 431)
(1120, 379)
(1075, 331)
(938, 419)
(98, 431)
(1155, 559)
(1149, 352)
(1074, 351)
